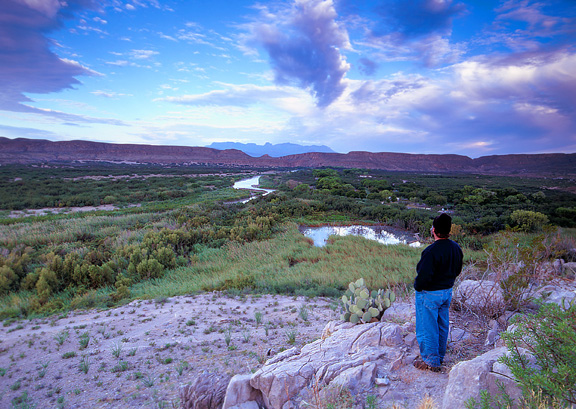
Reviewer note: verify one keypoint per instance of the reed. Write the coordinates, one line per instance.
(288, 263)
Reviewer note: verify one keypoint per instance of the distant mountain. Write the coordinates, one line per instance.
(275, 151)
(22, 150)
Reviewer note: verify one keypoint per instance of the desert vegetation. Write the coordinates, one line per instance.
(198, 239)
(190, 235)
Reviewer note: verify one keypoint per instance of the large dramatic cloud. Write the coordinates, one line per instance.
(27, 63)
(304, 44)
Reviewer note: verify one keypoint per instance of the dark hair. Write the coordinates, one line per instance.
(442, 225)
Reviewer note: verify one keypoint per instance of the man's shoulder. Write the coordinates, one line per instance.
(443, 244)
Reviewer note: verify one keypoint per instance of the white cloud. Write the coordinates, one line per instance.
(143, 54)
(109, 94)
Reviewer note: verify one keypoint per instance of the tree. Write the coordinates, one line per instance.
(528, 221)
(320, 173)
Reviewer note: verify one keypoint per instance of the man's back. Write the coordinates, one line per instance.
(440, 264)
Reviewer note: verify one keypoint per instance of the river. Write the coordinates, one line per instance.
(252, 185)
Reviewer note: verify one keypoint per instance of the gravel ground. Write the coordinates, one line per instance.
(138, 355)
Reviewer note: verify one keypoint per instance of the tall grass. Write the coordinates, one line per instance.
(66, 230)
(289, 263)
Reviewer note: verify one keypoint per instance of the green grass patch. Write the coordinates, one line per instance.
(289, 264)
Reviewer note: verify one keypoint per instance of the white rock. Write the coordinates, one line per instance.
(246, 405)
(382, 381)
(348, 357)
(356, 379)
(468, 378)
(240, 391)
(557, 295)
(400, 312)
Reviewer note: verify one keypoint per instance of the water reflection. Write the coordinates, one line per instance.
(382, 234)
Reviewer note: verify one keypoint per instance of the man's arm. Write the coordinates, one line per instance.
(424, 271)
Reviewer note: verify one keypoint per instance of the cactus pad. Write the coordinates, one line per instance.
(360, 305)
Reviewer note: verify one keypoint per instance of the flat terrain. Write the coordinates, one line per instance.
(138, 355)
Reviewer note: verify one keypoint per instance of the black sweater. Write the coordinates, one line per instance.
(439, 265)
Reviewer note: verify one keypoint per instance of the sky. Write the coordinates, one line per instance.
(473, 78)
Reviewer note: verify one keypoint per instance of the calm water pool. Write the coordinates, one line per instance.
(382, 234)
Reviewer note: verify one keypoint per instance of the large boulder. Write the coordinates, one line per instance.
(240, 394)
(480, 296)
(207, 391)
(347, 356)
(468, 378)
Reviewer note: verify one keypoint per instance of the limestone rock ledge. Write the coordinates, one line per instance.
(347, 355)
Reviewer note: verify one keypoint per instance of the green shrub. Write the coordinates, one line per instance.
(46, 284)
(149, 268)
(122, 287)
(528, 221)
(550, 336)
(7, 278)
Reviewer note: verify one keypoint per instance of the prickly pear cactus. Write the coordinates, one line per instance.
(361, 305)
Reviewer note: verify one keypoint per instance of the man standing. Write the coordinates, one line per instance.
(439, 265)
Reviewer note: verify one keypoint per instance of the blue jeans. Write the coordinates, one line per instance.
(432, 323)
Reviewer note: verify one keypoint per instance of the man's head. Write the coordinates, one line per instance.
(442, 225)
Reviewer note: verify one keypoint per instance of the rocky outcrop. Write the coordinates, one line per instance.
(484, 373)
(468, 378)
(241, 395)
(348, 356)
(39, 151)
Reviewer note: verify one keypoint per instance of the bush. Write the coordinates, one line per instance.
(7, 277)
(528, 221)
(550, 336)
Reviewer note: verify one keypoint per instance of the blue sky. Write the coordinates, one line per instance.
(418, 76)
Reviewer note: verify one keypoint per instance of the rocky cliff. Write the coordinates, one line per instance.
(40, 151)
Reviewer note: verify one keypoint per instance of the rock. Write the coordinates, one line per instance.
(382, 381)
(240, 392)
(558, 266)
(468, 378)
(207, 391)
(458, 335)
(492, 335)
(409, 327)
(356, 379)
(557, 295)
(570, 269)
(502, 375)
(400, 312)
(247, 405)
(410, 339)
(398, 363)
(481, 296)
(346, 357)
(334, 326)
